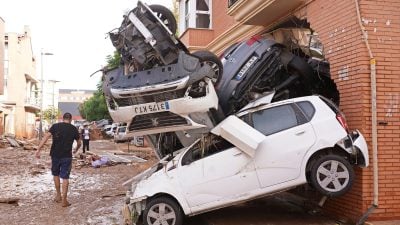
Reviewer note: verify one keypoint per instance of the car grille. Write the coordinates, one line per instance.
(159, 97)
(161, 119)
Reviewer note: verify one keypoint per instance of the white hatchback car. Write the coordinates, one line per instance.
(263, 149)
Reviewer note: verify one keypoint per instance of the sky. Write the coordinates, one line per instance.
(74, 31)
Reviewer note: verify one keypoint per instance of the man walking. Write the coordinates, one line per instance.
(63, 134)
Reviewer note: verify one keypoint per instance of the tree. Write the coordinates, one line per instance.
(95, 108)
(51, 114)
(114, 60)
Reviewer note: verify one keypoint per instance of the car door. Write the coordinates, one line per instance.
(288, 136)
(217, 173)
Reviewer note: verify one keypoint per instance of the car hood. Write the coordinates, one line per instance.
(240, 134)
(167, 161)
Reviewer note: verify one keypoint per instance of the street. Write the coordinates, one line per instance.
(97, 195)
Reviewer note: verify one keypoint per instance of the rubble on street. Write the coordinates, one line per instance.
(10, 141)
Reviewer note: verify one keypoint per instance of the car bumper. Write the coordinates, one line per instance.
(174, 85)
(360, 146)
(177, 112)
(131, 211)
(354, 143)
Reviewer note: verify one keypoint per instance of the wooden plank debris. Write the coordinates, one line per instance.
(12, 142)
(13, 201)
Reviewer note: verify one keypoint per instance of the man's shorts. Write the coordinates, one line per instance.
(61, 167)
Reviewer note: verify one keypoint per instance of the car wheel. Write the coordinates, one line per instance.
(332, 175)
(166, 16)
(212, 60)
(163, 211)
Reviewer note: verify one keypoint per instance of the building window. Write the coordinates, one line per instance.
(203, 14)
(6, 65)
(197, 14)
(231, 2)
(186, 14)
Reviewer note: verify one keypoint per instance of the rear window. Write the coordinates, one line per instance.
(331, 105)
(273, 120)
(307, 108)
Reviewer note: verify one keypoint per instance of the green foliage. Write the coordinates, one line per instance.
(114, 60)
(51, 114)
(95, 108)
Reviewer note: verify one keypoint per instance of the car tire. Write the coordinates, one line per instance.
(166, 16)
(331, 175)
(212, 60)
(172, 214)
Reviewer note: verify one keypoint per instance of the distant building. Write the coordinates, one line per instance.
(50, 94)
(70, 99)
(19, 96)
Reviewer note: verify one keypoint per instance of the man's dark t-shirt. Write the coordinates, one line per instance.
(64, 135)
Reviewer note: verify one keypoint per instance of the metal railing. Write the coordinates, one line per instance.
(32, 101)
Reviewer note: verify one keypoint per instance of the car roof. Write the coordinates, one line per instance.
(263, 102)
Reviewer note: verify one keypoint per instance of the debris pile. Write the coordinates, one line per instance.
(10, 141)
(106, 159)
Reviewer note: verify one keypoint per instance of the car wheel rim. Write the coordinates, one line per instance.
(164, 19)
(161, 214)
(216, 70)
(333, 176)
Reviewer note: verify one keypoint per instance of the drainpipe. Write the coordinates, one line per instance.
(373, 121)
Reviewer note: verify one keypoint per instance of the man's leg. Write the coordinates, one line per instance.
(55, 171)
(57, 185)
(66, 164)
(65, 184)
(88, 144)
(83, 147)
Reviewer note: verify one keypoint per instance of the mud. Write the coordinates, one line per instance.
(96, 194)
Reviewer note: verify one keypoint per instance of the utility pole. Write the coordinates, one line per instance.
(53, 95)
(41, 93)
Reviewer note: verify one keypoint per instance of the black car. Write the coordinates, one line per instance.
(258, 66)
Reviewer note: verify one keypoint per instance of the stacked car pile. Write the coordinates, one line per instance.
(160, 84)
(225, 130)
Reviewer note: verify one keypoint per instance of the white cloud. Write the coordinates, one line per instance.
(75, 31)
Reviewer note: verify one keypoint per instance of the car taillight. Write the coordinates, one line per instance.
(252, 40)
(342, 121)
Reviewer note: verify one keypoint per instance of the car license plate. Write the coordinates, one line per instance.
(151, 107)
(246, 67)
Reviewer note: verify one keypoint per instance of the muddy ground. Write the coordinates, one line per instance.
(97, 195)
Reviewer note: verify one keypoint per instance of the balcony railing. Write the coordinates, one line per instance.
(32, 101)
(231, 2)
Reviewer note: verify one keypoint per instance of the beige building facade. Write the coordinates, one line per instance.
(2, 109)
(21, 96)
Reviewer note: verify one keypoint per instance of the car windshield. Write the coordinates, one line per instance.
(206, 146)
